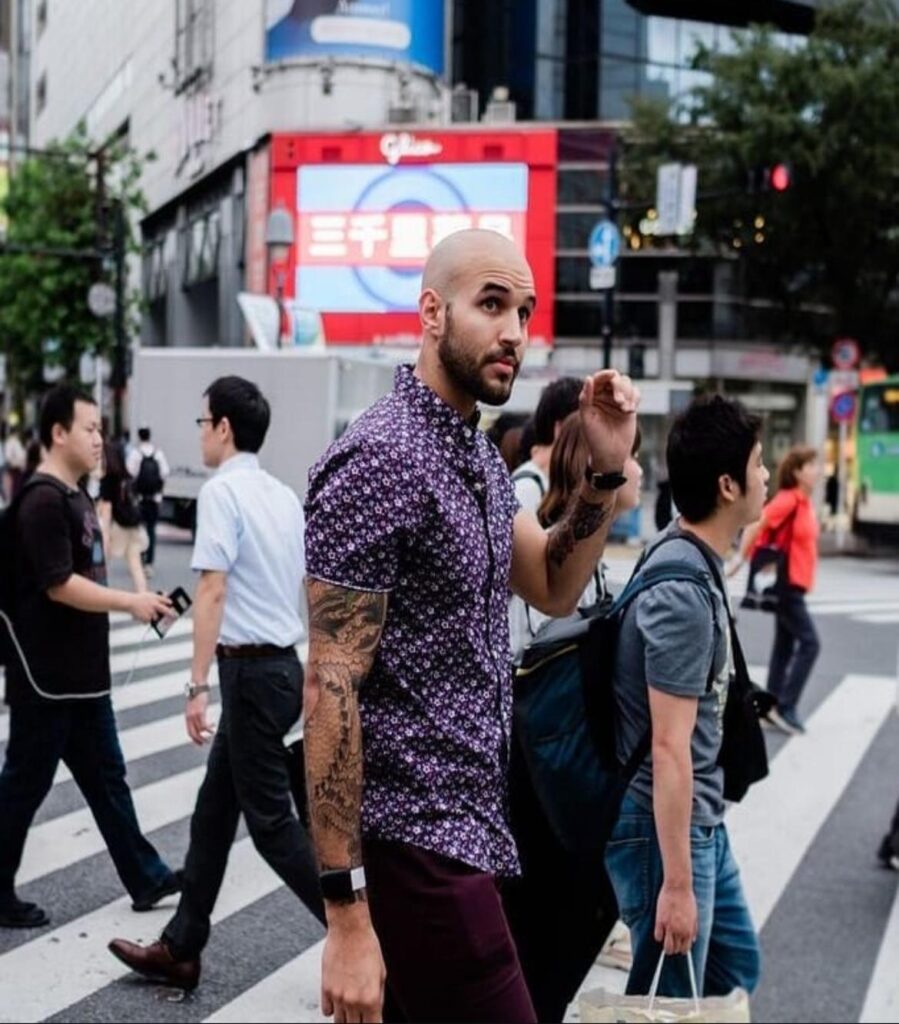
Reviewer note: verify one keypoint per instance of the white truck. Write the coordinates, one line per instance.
(314, 394)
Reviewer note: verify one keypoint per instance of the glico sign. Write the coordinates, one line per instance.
(368, 210)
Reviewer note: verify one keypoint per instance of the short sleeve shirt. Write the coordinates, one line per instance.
(250, 526)
(675, 638)
(415, 502)
(67, 650)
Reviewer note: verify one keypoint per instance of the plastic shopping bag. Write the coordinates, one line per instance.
(602, 1007)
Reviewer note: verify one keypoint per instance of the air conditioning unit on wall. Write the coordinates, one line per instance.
(403, 113)
(464, 105)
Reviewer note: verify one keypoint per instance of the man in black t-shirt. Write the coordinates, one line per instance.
(60, 706)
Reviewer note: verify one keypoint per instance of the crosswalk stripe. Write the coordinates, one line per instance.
(42, 977)
(807, 778)
(134, 634)
(63, 841)
(880, 620)
(291, 993)
(149, 738)
(853, 608)
(882, 998)
(135, 695)
(151, 655)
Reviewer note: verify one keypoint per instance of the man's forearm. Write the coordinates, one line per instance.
(209, 606)
(576, 543)
(672, 801)
(345, 629)
(86, 596)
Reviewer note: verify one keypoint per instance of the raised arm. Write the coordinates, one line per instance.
(344, 632)
(551, 569)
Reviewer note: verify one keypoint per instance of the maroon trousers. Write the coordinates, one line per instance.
(446, 945)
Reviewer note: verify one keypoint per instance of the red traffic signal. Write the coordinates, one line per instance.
(781, 177)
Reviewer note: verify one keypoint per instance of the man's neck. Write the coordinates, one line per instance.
(429, 374)
(717, 532)
(52, 465)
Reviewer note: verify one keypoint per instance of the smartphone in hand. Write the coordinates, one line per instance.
(180, 603)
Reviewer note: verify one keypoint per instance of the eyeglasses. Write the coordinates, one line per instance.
(200, 420)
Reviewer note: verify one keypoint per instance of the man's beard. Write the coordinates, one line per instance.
(465, 370)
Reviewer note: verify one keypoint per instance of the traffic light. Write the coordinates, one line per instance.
(780, 177)
(770, 178)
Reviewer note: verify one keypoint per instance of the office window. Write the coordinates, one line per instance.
(40, 93)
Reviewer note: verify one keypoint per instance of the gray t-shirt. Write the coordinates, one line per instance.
(668, 639)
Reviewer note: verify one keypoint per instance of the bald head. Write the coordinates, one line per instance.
(467, 253)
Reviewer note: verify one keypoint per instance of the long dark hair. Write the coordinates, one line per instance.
(114, 459)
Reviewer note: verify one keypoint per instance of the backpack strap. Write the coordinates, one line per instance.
(740, 666)
(641, 581)
(530, 474)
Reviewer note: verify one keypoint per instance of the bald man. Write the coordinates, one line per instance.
(413, 540)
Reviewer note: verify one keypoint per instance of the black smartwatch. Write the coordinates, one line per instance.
(605, 481)
(342, 886)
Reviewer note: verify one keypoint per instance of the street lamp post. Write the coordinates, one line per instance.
(279, 237)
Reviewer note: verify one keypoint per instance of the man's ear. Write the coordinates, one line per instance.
(431, 313)
(728, 491)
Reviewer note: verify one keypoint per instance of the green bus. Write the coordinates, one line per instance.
(875, 512)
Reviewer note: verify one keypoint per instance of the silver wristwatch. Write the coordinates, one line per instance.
(192, 690)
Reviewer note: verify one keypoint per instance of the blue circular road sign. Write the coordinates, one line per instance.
(842, 408)
(605, 244)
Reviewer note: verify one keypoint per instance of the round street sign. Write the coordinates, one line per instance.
(604, 244)
(101, 299)
(842, 407)
(845, 353)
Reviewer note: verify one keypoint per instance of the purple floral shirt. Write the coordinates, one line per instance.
(414, 501)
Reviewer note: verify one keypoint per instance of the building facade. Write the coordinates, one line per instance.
(227, 93)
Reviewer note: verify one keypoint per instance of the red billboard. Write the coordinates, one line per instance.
(369, 207)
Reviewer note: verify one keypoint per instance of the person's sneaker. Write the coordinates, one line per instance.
(15, 913)
(786, 721)
(168, 888)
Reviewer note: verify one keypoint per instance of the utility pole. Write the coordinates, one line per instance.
(120, 351)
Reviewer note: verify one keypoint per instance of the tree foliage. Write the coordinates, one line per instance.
(59, 213)
(829, 107)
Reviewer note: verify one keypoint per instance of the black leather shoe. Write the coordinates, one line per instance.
(157, 963)
(15, 913)
(168, 888)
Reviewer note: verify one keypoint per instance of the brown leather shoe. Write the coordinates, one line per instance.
(157, 963)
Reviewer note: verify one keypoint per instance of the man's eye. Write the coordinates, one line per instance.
(524, 315)
(491, 305)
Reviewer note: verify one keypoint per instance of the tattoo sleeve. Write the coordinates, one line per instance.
(581, 521)
(344, 632)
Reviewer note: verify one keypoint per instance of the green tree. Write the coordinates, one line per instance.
(827, 250)
(60, 210)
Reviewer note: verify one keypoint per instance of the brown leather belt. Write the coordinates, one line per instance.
(252, 651)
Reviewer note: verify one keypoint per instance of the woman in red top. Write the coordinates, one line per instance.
(789, 522)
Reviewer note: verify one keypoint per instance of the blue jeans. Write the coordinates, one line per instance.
(796, 647)
(726, 952)
(83, 734)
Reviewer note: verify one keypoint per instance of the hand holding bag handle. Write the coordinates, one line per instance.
(657, 977)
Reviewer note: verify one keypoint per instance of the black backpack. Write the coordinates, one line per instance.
(565, 716)
(148, 482)
(8, 547)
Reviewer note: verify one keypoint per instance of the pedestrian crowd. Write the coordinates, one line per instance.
(431, 849)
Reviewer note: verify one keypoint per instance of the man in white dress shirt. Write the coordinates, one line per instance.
(249, 552)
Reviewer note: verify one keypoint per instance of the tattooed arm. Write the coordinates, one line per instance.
(551, 569)
(344, 633)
